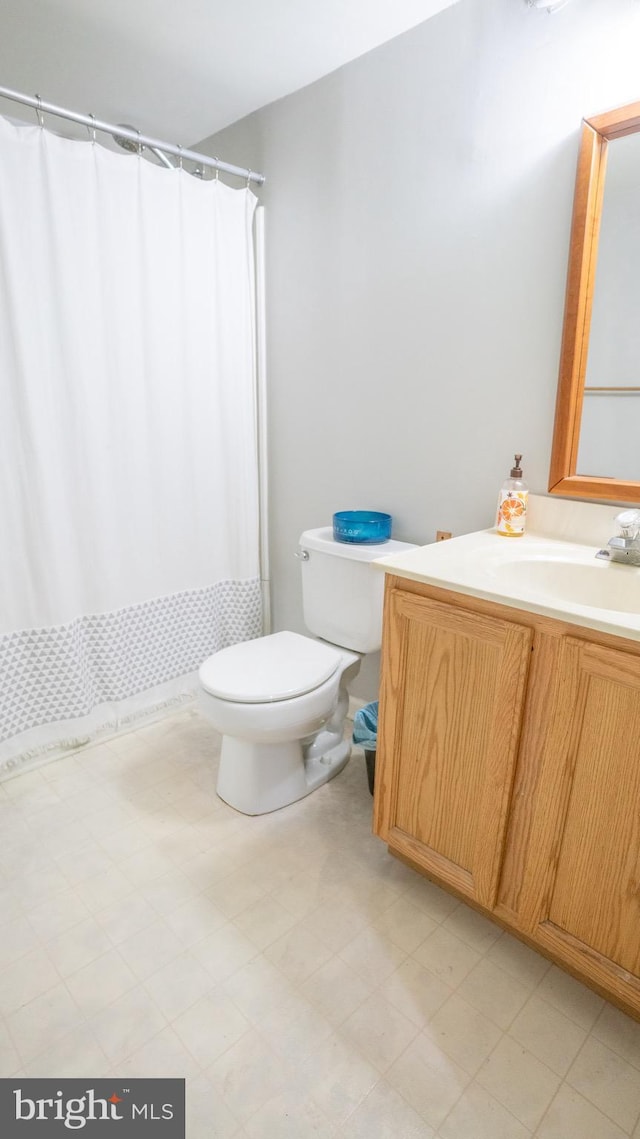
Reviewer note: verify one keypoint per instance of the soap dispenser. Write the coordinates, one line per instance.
(512, 504)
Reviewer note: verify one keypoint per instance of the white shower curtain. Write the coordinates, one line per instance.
(128, 469)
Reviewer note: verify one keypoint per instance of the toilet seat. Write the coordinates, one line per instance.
(269, 669)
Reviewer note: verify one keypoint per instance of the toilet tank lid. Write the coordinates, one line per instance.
(277, 667)
(324, 542)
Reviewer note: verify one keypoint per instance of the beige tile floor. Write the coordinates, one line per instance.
(302, 980)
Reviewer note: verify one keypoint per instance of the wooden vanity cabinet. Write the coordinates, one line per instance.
(508, 769)
(450, 724)
(581, 891)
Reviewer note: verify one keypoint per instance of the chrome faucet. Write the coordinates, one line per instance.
(625, 545)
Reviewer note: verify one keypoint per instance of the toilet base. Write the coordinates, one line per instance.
(256, 778)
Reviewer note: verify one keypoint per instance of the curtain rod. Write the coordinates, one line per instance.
(92, 123)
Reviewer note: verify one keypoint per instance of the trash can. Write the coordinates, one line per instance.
(365, 733)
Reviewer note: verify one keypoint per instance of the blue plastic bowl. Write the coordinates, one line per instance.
(363, 526)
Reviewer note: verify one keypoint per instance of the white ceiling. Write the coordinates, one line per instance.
(183, 69)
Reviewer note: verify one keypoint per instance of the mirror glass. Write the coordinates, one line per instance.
(610, 422)
(595, 451)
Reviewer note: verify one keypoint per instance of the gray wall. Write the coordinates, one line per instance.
(418, 212)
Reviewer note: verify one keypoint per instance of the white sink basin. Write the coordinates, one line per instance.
(552, 570)
(600, 585)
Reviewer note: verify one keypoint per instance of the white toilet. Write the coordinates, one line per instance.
(280, 701)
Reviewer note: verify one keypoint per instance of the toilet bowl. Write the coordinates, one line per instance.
(281, 701)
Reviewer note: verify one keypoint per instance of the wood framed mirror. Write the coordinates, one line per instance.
(596, 439)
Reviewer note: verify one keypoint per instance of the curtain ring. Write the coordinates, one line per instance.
(217, 168)
(179, 157)
(39, 111)
(249, 172)
(92, 129)
(140, 147)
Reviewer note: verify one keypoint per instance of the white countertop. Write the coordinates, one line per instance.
(551, 570)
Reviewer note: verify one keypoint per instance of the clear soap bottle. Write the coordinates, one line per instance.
(512, 503)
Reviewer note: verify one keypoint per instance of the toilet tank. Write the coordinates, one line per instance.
(342, 593)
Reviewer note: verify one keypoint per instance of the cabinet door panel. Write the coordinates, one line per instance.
(582, 892)
(453, 690)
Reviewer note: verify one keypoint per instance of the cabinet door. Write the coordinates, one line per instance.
(581, 896)
(451, 709)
